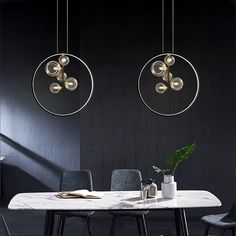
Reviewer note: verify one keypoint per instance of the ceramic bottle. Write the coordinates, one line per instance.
(168, 187)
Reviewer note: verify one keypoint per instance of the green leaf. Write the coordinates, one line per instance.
(181, 154)
(158, 170)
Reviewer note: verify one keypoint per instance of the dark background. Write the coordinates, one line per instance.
(116, 130)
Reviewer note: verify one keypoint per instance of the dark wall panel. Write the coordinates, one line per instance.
(37, 145)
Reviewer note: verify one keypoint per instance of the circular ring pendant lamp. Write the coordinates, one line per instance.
(62, 83)
(168, 83)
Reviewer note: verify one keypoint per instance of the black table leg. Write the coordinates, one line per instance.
(49, 223)
(181, 222)
(177, 221)
(184, 222)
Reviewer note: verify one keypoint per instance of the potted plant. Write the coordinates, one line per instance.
(169, 186)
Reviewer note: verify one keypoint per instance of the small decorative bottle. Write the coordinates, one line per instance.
(168, 187)
(152, 188)
(144, 190)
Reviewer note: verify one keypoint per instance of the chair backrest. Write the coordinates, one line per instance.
(125, 180)
(232, 212)
(73, 180)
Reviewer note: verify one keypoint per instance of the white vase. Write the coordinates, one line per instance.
(168, 187)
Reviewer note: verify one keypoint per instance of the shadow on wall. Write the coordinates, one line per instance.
(18, 181)
(32, 155)
(15, 179)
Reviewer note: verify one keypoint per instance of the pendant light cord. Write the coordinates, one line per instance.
(172, 26)
(67, 27)
(163, 26)
(57, 28)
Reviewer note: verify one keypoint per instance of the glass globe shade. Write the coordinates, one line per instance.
(169, 60)
(158, 68)
(176, 84)
(160, 88)
(55, 88)
(61, 78)
(71, 83)
(52, 68)
(167, 77)
(64, 60)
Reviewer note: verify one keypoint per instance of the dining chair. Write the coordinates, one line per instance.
(73, 180)
(222, 222)
(127, 180)
(4, 231)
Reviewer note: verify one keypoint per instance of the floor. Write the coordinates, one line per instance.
(30, 223)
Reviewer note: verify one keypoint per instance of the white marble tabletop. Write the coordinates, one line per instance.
(118, 200)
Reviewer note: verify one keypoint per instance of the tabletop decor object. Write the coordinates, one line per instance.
(148, 189)
(168, 83)
(62, 84)
(80, 193)
(169, 186)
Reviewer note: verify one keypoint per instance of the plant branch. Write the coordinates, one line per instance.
(177, 157)
(176, 165)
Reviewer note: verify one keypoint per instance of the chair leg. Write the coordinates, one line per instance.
(233, 232)
(139, 228)
(113, 225)
(89, 225)
(206, 230)
(144, 225)
(62, 225)
(222, 232)
(58, 225)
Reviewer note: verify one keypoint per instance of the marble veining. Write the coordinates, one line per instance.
(117, 200)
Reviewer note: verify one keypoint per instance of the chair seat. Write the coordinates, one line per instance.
(129, 213)
(220, 220)
(75, 213)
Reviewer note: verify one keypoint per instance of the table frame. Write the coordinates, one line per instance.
(179, 215)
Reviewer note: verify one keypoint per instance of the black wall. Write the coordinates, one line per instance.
(37, 145)
(116, 130)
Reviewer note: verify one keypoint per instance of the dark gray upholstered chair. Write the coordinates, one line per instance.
(4, 231)
(127, 180)
(73, 180)
(222, 222)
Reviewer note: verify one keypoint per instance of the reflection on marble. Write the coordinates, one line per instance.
(118, 200)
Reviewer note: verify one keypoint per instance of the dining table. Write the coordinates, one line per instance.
(115, 201)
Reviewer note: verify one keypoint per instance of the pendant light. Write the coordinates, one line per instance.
(56, 69)
(62, 83)
(168, 83)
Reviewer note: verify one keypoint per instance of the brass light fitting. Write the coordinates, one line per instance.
(56, 69)
(162, 69)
